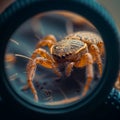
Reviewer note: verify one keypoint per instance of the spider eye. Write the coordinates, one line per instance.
(56, 56)
(57, 47)
(63, 56)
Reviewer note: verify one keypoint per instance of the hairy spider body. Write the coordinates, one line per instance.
(68, 50)
(78, 50)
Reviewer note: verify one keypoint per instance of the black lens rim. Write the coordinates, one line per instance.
(20, 11)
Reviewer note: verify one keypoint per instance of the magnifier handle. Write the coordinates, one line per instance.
(114, 99)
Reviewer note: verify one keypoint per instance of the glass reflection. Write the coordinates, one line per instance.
(43, 83)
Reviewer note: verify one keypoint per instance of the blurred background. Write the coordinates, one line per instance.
(111, 5)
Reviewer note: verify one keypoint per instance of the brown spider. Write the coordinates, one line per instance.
(75, 50)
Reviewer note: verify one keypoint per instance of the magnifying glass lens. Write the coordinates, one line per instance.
(55, 59)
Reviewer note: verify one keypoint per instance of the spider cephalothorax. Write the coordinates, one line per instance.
(68, 50)
(77, 50)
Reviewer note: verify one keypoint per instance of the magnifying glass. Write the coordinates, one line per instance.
(56, 56)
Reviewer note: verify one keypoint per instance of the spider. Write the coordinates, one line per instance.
(80, 49)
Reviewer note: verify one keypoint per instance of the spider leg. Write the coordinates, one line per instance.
(31, 68)
(45, 54)
(87, 61)
(101, 48)
(48, 40)
(68, 69)
(94, 50)
(44, 60)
